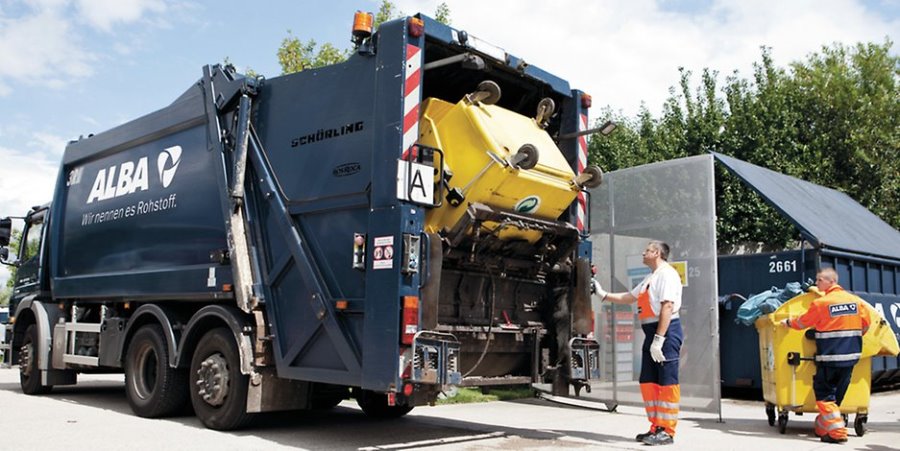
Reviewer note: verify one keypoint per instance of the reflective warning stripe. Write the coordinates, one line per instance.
(663, 415)
(822, 424)
(411, 99)
(832, 416)
(663, 404)
(839, 334)
(582, 164)
(838, 357)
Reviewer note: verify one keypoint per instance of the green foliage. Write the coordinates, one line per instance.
(832, 119)
(442, 14)
(295, 55)
(472, 395)
(387, 11)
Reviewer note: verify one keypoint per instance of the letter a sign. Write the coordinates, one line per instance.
(415, 182)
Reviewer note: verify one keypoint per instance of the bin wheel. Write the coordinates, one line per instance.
(770, 413)
(859, 425)
(782, 423)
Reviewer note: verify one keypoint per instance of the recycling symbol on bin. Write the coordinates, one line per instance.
(529, 204)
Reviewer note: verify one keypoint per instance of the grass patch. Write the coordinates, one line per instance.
(472, 395)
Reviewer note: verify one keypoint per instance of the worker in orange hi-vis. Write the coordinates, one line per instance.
(659, 298)
(840, 321)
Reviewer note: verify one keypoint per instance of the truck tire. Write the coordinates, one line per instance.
(218, 389)
(29, 374)
(375, 405)
(153, 388)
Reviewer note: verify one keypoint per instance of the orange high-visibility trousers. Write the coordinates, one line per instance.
(829, 421)
(661, 404)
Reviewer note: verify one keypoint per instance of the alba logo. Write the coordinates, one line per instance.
(166, 174)
(842, 309)
(131, 176)
(529, 204)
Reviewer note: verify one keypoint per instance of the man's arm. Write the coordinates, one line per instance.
(805, 320)
(665, 317)
(616, 298)
(621, 298)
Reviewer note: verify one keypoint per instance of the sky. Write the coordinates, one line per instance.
(73, 67)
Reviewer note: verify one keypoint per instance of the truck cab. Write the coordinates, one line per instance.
(30, 278)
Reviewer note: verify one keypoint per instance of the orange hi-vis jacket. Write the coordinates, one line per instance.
(840, 322)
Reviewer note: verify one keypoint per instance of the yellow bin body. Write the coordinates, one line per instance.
(476, 139)
(790, 387)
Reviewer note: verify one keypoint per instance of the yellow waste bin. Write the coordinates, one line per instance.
(478, 142)
(788, 366)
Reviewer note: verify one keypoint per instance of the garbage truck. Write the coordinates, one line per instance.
(411, 219)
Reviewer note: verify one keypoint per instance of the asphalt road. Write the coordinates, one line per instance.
(94, 415)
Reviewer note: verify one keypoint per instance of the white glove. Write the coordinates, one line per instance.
(598, 290)
(656, 348)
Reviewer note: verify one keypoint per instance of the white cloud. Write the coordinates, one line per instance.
(44, 44)
(26, 180)
(51, 144)
(41, 49)
(104, 14)
(623, 53)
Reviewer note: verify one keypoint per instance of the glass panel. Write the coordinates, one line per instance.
(673, 201)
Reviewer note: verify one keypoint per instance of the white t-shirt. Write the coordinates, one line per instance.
(664, 285)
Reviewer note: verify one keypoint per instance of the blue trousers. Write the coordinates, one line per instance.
(665, 373)
(831, 382)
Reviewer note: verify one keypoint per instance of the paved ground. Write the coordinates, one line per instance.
(94, 415)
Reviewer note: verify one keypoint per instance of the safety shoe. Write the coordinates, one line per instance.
(829, 439)
(653, 430)
(660, 438)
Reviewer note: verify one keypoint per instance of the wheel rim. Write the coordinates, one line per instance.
(212, 380)
(145, 374)
(25, 354)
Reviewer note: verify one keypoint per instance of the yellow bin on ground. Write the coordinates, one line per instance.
(786, 358)
(477, 140)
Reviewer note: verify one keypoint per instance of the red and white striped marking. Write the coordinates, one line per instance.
(582, 164)
(411, 98)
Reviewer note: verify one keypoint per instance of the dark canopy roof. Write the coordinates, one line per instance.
(826, 217)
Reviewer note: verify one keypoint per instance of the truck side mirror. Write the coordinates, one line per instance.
(4, 254)
(5, 232)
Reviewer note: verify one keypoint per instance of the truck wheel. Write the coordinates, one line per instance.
(375, 405)
(154, 389)
(29, 374)
(218, 389)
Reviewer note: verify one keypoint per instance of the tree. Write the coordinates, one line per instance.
(295, 55)
(832, 119)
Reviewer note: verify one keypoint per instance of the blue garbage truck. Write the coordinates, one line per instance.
(381, 229)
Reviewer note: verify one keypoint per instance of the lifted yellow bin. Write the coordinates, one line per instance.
(788, 366)
(479, 141)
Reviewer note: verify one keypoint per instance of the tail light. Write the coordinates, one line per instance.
(410, 324)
